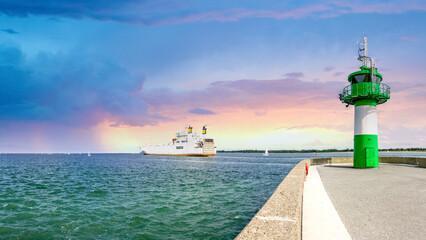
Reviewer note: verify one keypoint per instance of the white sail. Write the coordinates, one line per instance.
(266, 153)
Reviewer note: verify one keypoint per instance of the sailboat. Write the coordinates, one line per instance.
(266, 153)
(88, 154)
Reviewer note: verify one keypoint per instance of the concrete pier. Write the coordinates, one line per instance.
(388, 202)
(338, 201)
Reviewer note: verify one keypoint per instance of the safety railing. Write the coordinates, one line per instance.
(378, 91)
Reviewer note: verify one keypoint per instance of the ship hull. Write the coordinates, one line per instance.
(180, 155)
(187, 149)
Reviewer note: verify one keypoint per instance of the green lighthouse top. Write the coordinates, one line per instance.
(366, 83)
(365, 75)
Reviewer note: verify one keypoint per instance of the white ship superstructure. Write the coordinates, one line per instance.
(186, 143)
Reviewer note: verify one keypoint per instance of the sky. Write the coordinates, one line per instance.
(110, 76)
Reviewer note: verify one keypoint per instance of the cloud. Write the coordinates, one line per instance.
(69, 89)
(201, 111)
(294, 75)
(328, 68)
(247, 94)
(235, 14)
(341, 127)
(261, 112)
(176, 12)
(10, 31)
(395, 7)
(410, 39)
(401, 136)
(336, 74)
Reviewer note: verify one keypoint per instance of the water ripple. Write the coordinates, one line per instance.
(127, 196)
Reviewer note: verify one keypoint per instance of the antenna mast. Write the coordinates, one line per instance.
(365, 45)
(365, 59)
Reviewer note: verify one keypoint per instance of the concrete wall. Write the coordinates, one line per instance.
(281, 216)
(421, 162)
(404, 160)
(321, 161)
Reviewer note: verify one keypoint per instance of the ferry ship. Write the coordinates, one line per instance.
(186, 143)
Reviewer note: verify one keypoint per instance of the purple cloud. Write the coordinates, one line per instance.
(336, 74)
(200, 111)
(402, 136)
(294, 75)
(248, 94)
(328, 68)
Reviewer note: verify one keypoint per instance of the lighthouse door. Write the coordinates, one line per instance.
(370, 156)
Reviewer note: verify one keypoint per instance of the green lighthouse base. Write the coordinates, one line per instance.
(366, 152)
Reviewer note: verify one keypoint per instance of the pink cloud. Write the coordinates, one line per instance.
(345, 7)
(248, 94)
(327, 10)
(340, 127)
(410, 39)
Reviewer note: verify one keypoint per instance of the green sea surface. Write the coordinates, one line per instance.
(132, 196)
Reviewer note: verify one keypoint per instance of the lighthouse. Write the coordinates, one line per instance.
(365, 91)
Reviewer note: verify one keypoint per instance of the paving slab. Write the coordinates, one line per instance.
(388, 202)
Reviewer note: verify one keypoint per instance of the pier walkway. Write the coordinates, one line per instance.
(388, 202)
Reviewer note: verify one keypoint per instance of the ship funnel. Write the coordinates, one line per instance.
(189, 129)
(204, 130)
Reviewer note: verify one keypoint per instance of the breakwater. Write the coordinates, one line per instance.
(281, 216)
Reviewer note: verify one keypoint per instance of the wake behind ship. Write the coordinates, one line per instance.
(186, 143)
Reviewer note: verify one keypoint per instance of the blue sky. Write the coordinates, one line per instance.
(68, 68)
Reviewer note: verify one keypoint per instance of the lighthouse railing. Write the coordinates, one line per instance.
(379, 91)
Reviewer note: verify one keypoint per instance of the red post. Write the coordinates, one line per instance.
(307, 168)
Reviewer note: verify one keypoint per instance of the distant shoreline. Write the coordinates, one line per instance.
(322, 151)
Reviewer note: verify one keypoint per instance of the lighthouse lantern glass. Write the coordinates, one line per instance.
(358, 78)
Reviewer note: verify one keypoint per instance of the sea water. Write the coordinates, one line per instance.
(131, 196)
